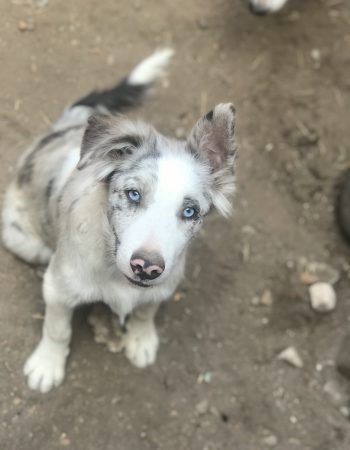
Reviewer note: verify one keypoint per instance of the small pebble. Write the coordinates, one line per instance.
(333, 390)
(64, 440)
(293, 420)
(178, 296)
(23, 25)
(269, 147)
(270, 440)
(202, 407)
(17, 401)
(315, 54)
(319, 367)
(345, 411)
(205, 378)
(316, 57)
(322, 297)
(266, 298)
(291, 356)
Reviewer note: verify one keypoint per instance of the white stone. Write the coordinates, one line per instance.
(291, 356)
(322, 297)
(345, 411)
(202, 407)
(334, 392)
(270, 441)
(315, 54)
(266, 299)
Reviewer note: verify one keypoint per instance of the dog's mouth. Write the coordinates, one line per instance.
(137, 283)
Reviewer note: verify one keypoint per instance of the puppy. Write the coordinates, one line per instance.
(111, 206)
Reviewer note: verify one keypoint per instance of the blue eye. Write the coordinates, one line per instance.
(188, 213)
(134, 196)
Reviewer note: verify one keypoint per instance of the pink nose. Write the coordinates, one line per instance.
(147, 265)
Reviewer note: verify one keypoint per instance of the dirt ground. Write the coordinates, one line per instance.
(217, 383)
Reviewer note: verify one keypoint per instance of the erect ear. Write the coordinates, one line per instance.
(107, 140)
(212, 141)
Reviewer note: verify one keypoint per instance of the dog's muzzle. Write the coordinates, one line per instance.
(137, 283)
(147, 266)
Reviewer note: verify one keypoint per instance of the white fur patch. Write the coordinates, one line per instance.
(73, 116)
(141, 343)
(46, 366)
(24, 242)
(151, 68)
(269, 5)
(67, 168)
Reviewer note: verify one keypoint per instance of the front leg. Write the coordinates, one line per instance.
(45, 368)
(141, 339)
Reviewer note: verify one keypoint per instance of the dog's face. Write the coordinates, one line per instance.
(262, 7)
(159, 189)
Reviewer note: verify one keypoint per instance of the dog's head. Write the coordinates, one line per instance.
(160, 189)
(262, 7)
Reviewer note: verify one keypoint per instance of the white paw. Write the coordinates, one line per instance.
(141, 345)
(45, 367)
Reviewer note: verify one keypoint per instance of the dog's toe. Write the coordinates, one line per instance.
(45, 369)
(141, 346)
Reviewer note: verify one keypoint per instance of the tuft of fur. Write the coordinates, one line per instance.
(131, 90)
(151, 68)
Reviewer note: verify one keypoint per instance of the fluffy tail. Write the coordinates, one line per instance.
(130, 91)
(343, 206)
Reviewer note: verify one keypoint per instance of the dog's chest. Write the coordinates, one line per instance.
(121, 298)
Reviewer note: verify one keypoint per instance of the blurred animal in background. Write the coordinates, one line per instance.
(343, 206)
(111, 206)
(262, 7)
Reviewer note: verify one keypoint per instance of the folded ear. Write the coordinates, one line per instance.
(212, 141)
(108, 140)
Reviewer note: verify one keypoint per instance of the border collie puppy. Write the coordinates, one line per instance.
(111, 205)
